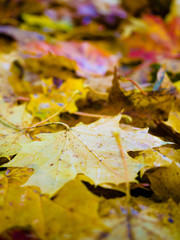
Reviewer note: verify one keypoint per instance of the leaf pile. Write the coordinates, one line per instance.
(89, 120)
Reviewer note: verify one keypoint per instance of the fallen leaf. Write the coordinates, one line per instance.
(88, 149)
(54, 99)
(174, 120)
(146, 220)
(163, 81)
(18, 176)
(73, 212)
(12, 118)
(15, 205)
(50, 65)
(165, 182)
(90, 60)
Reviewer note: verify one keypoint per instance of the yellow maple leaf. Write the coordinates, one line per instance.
(146, 220)
(87, 149)
(15, 205)
(74, 211)
(54, 99)
(12, 118)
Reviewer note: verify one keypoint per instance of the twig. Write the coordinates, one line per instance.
(90, 115)
(140, 89)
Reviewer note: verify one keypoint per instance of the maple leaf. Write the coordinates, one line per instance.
(74, 211)
(164, 182)
(89, 149)
(67, 218)
(15, 200)
(90, 60)
(151, 158)
(145, 108)
(6, 61)
(151, 37)
(53, 99)
(10, 136)
(41, 21)
(147, 220)
(172, 126)
(174, 119)
(50, 65)
(48, 52)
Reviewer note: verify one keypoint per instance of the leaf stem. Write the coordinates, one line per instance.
(140, 89)
(9, 125)
(48, 124)
(90, 115)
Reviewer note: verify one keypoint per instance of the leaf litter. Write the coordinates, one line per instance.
(63, 66)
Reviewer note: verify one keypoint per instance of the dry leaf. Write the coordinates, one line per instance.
(88, 149)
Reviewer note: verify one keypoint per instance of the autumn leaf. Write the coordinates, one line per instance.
(51, 65)
(15, 200)
(66, 217)
(89, 120)
(54, 99)
(90, 60)
(145, 108)
(41, 21)
(74, 212)
(164, 182)
(88, 149)
(173, 119)
(151, 37)
(146, 220)
(12, 118)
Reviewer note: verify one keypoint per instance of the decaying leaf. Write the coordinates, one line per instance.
(145, 109)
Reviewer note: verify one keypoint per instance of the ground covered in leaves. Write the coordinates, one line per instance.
(89, 120)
